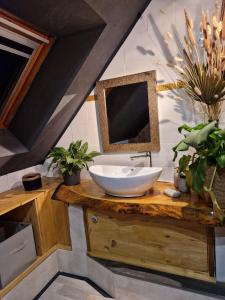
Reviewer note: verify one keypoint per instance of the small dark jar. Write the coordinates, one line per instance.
(32, 181)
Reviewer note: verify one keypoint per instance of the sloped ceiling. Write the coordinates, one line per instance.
(55, 17)
(88, 34)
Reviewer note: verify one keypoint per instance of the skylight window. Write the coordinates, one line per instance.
(22, 51)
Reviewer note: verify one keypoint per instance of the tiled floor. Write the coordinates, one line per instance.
(66, 288)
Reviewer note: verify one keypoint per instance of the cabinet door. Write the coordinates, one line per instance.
(172, 246)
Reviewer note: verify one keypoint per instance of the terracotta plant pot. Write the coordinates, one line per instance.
(72, 179)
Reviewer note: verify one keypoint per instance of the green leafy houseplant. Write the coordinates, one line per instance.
(208, 143)
(71, 161)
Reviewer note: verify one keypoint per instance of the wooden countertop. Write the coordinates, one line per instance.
(154, 204)
(14, 198)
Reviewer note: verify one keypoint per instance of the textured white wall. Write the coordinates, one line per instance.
(143, 50)
(13, 180)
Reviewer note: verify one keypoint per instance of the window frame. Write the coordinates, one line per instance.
(41, 43)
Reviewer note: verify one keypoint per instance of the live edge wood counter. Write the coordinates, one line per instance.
(154, 204)
(153, 231)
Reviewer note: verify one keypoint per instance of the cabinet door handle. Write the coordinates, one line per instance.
(94, 219)
(19, 248)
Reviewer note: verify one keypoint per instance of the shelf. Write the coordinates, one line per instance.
(49, 219)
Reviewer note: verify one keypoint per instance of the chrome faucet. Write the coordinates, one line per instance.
(146, 154)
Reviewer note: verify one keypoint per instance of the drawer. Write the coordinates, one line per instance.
(17, 252)
(171, 246)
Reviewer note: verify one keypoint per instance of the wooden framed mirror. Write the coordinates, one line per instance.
(128, 113)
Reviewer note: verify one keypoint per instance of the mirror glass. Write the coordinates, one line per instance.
(128, 113)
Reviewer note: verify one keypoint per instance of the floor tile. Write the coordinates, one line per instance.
(67, 288)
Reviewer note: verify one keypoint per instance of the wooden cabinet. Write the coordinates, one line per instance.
(174, 246)
(49, 219)
(153, 231)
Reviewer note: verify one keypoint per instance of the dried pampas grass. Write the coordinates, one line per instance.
(202, 68)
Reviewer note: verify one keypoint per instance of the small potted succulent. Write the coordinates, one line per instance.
(71, 161)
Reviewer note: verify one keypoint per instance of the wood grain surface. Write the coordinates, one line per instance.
(155, 203)
(173, 246)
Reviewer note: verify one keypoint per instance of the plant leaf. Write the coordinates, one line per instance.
(197, 137)
(189, 128)
(198, 169)
(221, 160)
(84, 147)
(179, 147)
(73, 159)
(184, 163)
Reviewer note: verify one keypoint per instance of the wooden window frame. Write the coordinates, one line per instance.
(16, 96)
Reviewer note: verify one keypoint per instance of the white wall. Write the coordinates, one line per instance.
(13, 180)
(143, 50)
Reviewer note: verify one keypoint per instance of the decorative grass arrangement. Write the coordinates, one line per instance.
(201, 68)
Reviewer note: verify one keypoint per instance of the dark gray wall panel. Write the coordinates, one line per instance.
(9, 144)
(120, 16)
(55, 76)
(55, 17)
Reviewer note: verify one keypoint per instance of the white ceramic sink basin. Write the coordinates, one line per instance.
(123, 181)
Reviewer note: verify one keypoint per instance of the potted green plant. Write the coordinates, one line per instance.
(71, 161)
(200, 65)
(205, 167)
